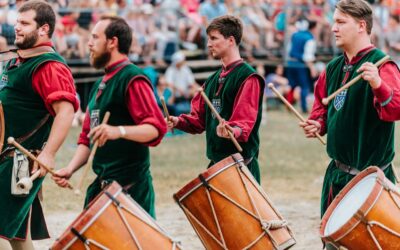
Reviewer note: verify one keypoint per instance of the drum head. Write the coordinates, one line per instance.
(350, 203)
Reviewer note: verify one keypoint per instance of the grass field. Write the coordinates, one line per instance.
(292, 170)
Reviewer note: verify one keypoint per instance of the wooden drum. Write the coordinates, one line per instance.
(114, 221)
(364, 215)
(229, 210)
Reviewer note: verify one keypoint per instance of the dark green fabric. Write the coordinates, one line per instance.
(142, 192)
(121, 160)
(219, 148)
(356, 135)
(23, 110)
(335, 180)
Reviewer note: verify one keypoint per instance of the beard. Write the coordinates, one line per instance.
(101, 60)
(29, 41)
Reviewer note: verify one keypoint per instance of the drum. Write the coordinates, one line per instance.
(364, 215)
(229, 210)
(114, 221)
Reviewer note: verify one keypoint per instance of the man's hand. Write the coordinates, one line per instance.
(172, 122)
(45, 158)
(104, 132)
(370, 73)
(223, 129)
(311, 128)
(62, 176)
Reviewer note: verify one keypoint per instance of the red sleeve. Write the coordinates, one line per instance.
(83, 136)
(53, 81)
(319, 111)
(387, 96)
(245, 108)
(194, 122)
(143, 108)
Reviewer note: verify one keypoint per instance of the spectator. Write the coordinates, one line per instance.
(181, 77)
(392, 37)
(302, 55)
(163, 89)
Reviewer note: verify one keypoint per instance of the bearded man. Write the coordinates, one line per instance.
(37, 93)
(135, 123)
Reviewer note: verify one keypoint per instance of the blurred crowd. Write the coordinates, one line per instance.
(163, 28)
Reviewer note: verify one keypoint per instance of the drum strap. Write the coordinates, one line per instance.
(353, 171)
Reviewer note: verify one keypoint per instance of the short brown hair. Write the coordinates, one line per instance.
(228, 26)
(358, 9)
(44, 13)
(119, 28)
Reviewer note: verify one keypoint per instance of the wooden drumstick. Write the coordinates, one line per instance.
(164, 105)
(12, 141)
(215, 112)
(301, 118)
(90, 159)
(27, 182)
(326, 100)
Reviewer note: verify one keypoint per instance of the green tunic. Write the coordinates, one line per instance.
(23, 111)
(124, 161)
(218, 148)
(356, 135)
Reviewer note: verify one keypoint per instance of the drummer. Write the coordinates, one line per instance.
(236, 92)
(359, 122)
(136, 122)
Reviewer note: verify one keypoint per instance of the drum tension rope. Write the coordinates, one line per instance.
(80, 236)
(113, 198)
(204, 181)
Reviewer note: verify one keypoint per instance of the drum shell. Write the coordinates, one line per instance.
(382, 206)
(238, 227)
(101, 222)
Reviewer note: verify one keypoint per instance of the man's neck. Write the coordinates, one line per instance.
(230, 58)
(352, 50)
(115, 58)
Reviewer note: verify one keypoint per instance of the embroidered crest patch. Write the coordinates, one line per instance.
(339, 100)
(217, 105)
(94, 118)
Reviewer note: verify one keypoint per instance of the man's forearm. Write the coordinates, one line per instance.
(61, 125)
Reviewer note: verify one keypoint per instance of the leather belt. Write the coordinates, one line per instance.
(353, 171)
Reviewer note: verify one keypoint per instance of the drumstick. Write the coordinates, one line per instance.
(164, 105)
(215, 112)
(12, 141)
(326, 100)
(90, 159)
(26, 183)
(301, 118)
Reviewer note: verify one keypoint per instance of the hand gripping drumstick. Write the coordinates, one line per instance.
(90, 159)
(162, 99)
(326, 100)
(12, 141)
(233, 139)
(301, 118)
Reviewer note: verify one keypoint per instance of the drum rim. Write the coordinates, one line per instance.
(102, 202)
(364, 209)
(208, 174)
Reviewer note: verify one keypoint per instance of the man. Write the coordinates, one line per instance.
(135, 123)
(359, 122)
(301, 62)
(236, 92)
(38, 97)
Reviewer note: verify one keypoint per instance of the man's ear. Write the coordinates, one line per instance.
(113, 42)
(362, 26)
(44, 30)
